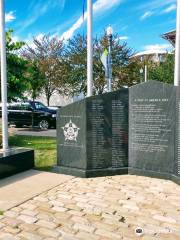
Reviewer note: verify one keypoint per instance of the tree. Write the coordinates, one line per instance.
(35, 79)
(46, 52)
(16, 68)
(163, 71)
(75, 59)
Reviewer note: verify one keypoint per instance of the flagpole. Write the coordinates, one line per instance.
(3, 77)
(89, 48)
(145, 73)
(177, 47)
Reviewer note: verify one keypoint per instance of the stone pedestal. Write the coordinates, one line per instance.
(15, 160)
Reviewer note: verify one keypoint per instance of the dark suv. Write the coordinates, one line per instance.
(31, 113)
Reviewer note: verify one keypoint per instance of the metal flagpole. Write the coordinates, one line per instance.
(89, 48)
(3, 77)
(145, 73)
(177, 48)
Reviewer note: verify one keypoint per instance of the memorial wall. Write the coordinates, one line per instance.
(152, 122)
(93, 133)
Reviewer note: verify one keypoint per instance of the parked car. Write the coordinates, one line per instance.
(31, 113)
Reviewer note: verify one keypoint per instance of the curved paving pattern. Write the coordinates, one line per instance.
(98, 209)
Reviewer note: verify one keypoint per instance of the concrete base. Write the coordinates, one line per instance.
(90, 173)
(167, 176)
(114, 171)
(15, 160)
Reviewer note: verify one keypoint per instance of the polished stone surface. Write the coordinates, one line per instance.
(92, 135)
(15, 160)
(152, 128)
(177, 135)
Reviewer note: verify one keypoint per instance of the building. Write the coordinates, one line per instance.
(170, 36)
(154, 56)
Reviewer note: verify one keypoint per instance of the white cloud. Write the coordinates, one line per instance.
(15, 38)
(123, 38)
(98, 7)
(9, 17)
(171, 8)
(37, 9)
(146, 15)
(155, 4)
(158, 47)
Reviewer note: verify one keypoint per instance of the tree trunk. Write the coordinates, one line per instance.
(48, 100)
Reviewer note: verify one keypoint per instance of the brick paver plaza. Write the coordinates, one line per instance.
(98, 209)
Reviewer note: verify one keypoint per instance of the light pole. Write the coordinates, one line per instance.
(109, 32)
(177, 48)
(89, 48)
(3, 77)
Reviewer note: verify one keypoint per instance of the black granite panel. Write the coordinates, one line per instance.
(107, 130)
(102, 141)
(177, 137)
(15, 160)
(93, 133)
(152, 107)
(71, 135)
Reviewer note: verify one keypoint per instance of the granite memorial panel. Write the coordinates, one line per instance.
(92, 136)
(176, 176)
(93, 140)
(152, 128)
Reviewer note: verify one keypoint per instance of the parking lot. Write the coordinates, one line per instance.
(28, 131)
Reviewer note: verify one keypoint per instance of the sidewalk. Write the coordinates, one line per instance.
(21, 187)
(106, 208)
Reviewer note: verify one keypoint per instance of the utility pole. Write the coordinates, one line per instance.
(177, 47)
(89, 48)
(3, 77)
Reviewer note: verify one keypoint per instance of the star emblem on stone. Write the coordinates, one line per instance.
(71, 131)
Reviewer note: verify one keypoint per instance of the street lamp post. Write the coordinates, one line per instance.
(141, 75)
(109, 32)
(3, 77)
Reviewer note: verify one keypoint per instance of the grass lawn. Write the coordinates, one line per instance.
(45, 149)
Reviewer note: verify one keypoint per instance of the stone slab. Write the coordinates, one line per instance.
(15, 160)
(154, 139)
(152, 120)
(92, 136)
(90, 173)
(24, 186)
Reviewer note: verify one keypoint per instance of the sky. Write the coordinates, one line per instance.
(140, 23)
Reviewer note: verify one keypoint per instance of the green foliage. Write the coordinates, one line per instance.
(46, 58)
(164, 71)
(35, 79)
(45, 149)
(75, 62)
(16, 68)
(1, 212)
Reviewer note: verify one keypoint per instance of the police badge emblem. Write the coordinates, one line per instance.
(71, 131)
